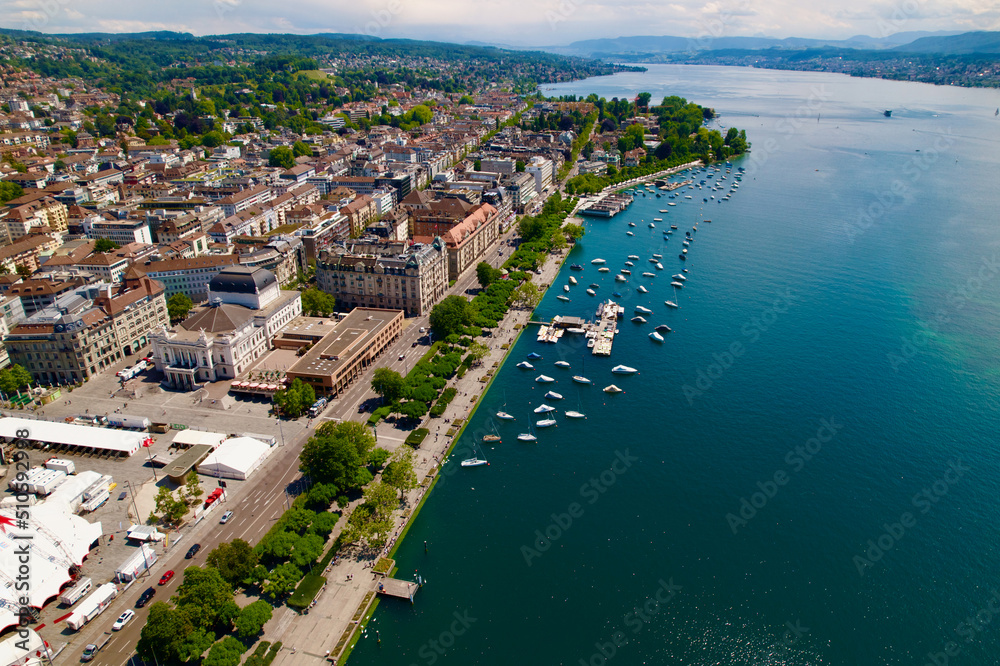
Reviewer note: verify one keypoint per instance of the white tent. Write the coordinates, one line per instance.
(188, 438)
(236, 458)
(13, 652)
(47, 432)
(59, 540)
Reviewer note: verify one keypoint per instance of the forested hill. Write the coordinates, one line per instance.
(137, 63)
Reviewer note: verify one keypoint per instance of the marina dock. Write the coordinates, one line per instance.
(608, 206)
(393, 587)
(603, 332)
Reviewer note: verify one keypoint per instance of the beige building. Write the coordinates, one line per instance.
(393, 275)
(333, 363)
(88, 329)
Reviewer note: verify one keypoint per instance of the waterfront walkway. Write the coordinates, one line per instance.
(314, 638)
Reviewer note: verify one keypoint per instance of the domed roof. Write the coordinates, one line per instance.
(242, 280)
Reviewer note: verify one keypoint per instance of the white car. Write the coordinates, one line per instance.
(123, 620)
(225, 517)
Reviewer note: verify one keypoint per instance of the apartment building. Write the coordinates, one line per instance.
(378, 274)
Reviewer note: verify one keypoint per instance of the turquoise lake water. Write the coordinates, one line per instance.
(832, 374)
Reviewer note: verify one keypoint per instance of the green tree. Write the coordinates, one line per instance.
(527, 295)
(163, 633)
(281, 156)
(573, 231)
(205, 596)
(478, 351)
(9, 191)
(235, 561)
(477, 165)
(316, 303)
(413, 409)
(193, 645)
(105, 245)
(451, 315)
(295, 400)
(642, 100)
(399, 473)
(13, 379)
(388, 384)
(338, 453)
(465, 99)
(301, 149)
(486, 274)
(192, 486)
(23, 270)
(178, 306)
(227, 652)
(519, 165)
(379, 457)
(282, 580)
(213, 139)
(252, 619)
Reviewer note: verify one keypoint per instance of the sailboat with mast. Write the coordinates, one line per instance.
(493, 437)
(528, 436)
(475, 460)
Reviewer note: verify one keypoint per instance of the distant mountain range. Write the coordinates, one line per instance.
(941, 42)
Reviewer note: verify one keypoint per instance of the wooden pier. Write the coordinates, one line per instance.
(393, 587)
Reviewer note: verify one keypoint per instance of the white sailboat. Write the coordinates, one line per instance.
(552, 395)
(656, 336)
(623, 370)
(528, 436)
(545, 423)
(543, 379)
(505, 416)
(562, 364)
(524, 365)
(612, 389)
(544, 409)
(475, 460)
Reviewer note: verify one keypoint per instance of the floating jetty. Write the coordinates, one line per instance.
(603, 333)
(608, 206)
(393, 587)
(670, 187)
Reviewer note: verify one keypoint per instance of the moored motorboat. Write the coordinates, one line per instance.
(591, 292)
(621, 278)
(575, 267)
(663, 328)
(648, 274)
(524, 365)
(623, 370)
(544, 409)
(562, 364)
(572, 280)
(633, 257)
(643, 310)
(474, 462)
(612, 389)
(679, 277)
(534, 356)
(677, 285)
(543, 379)
(580, 379)
(656, 336)
(563, 298)
(641, 289)
(565, 287)
(552, 395)
(638, 320)
(598, 261)
(603, 269)
(629, 233)
(659, 266)
(572, 414)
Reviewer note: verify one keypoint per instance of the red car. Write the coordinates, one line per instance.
(165, 578)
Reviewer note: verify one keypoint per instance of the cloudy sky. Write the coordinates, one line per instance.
(516, 22)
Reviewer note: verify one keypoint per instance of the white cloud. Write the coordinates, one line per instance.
(520, 22)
